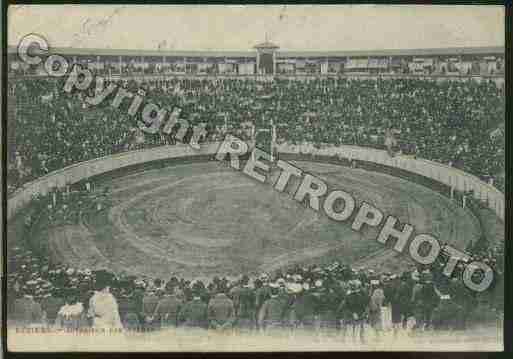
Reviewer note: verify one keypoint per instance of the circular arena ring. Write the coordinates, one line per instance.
(196, 217)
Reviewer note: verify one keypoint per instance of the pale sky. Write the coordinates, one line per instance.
(239, 27)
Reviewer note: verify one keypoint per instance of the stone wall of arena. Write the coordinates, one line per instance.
(437, 172)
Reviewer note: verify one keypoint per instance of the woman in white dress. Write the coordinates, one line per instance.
(103, 307)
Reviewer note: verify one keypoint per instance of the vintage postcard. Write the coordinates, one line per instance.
(255, 178)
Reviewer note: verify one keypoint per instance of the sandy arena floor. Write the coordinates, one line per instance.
(205, 219)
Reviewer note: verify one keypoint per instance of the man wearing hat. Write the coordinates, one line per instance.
(85, 289)
(262, 293)
(172, 284)
(244, 301)
(194, 313)
(329, 298)
(424, 299)
(149, 303)
(128, 311)
(50, 304)
(447, 315)
(221, 312)
(286, 297)
(271, 314)
(125, 299)
(27, 311)
(167, 309)
(392, 294)
(462, 296)
(305, 307)
(354, 307)
(404, 298)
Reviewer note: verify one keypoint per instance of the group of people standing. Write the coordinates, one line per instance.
(267, 304)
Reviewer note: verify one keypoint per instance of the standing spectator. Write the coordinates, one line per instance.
(329, 299)
(404, 299)
(50, 304)
(271, 314)
(221, 312)
(149, 303)
(244, 300)
(194, 313)
(425, 299)
(355, 306)
(262, 293)
(128, 311)
(103, 307)
(168, 308)
(447, 315)
(463, 297)
(306, 307)
(393, 295)
(27, 311)
(377, 299)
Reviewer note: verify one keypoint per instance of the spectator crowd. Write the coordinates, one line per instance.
(327, 299)
(452, 122)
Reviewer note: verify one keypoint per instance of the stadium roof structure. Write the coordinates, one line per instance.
(488, 50)
(69, 51)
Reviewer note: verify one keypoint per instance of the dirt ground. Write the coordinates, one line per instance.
(205, 219)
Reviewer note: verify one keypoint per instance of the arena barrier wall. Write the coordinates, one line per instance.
(80, 171)
(447, 175)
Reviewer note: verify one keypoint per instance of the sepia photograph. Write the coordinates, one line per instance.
(254, 178)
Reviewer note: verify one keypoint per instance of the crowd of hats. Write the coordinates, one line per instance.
(33, 274)
(453, 122)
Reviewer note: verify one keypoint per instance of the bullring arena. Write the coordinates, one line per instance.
(196, 218)
(174, 212)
